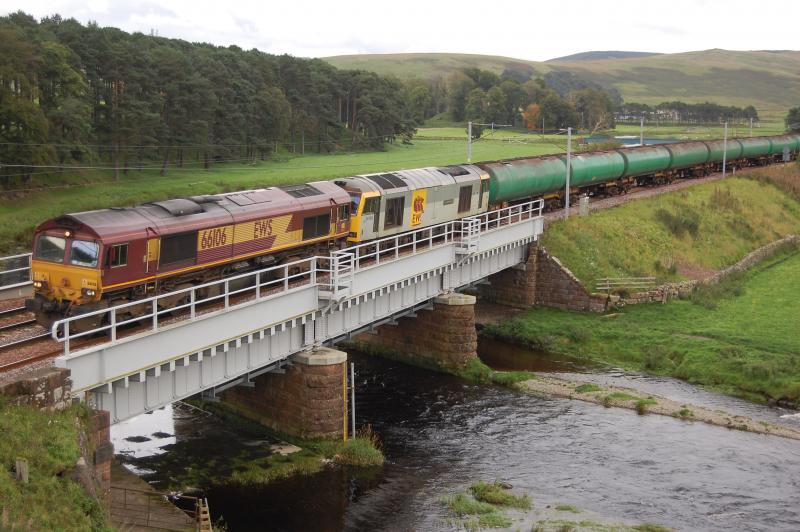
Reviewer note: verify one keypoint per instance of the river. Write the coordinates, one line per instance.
(441, 433)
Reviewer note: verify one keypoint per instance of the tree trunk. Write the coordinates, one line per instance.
(205, 160)
(166, 162)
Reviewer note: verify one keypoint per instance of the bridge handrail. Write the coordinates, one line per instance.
(61, 332)
(332, 272)
(4, 272)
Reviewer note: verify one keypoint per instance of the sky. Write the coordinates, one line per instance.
(533, 30)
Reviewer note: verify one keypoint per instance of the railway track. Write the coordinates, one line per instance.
(11, 311)
(11, 326)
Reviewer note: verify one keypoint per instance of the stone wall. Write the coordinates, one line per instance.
(307, 401)
(444, 338)
(667, 291)
(99, 427)
(42, 388)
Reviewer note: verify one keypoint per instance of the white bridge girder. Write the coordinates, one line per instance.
(145, 371)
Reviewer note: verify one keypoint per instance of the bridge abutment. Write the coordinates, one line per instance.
(443, 338)
(542, 281)
(307, 401)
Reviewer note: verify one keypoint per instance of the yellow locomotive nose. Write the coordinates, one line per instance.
(63, 282)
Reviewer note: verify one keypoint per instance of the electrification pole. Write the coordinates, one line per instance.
(641, 131)
(569, 170)
(751, 126)
(469, 142)
(725, 150)
(469, 134)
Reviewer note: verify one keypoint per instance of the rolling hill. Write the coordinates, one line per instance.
(768, 80)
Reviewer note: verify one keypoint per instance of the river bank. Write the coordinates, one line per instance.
(738, 337)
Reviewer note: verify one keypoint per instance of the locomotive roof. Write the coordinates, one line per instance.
(198, 212)
(404, 180)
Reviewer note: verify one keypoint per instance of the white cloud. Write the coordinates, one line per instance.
(524, 29)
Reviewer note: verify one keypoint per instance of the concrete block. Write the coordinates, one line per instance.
(324, 356)
(454, 299)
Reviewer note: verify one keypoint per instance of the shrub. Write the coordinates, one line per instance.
(588, 387)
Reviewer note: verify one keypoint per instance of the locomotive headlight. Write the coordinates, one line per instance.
(67, 234)
(88, 292)
(37, 284)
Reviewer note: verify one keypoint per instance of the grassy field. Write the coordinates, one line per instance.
(51, 500)
(20, 212)
(685, 234)
(741, 339)
(770, 81)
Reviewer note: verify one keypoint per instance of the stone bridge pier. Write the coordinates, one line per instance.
(306, 399)
(442, 338)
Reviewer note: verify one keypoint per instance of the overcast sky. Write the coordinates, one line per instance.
(535, 30)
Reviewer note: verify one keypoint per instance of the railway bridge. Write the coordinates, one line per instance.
(153, 352)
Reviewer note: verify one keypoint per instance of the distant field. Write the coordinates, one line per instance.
(20, 212)
(770, 81)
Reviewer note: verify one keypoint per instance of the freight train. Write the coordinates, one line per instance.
(92, 260)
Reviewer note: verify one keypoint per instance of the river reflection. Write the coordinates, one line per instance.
(441, 433)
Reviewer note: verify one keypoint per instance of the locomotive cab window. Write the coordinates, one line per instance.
(464, 199)
(178, 248)
(118, 255)
(316, 226)
(84, 253)
(344, 212)
(50, 248)
(394, 212)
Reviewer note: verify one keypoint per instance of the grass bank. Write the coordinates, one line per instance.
(740, 338)
(51, 500)
(684, 234)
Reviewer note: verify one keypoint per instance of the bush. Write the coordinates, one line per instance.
(588, 387)
(362, 450)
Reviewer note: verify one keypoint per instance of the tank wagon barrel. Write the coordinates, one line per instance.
(597, 167)
(645, 160)
(688, 154)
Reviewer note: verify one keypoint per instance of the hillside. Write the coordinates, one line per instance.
(601, 54)
(768, 80)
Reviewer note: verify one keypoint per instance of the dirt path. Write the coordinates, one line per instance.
(645, 403)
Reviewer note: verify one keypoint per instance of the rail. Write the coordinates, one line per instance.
(333, 275)
(15, 270)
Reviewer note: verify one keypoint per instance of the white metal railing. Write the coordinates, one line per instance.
(333, 275)
(15, 270)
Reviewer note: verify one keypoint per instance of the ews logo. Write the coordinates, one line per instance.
(262, 229)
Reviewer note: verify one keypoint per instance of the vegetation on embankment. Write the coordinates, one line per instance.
(51, 500)
(684, 234)
(739, 337)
